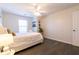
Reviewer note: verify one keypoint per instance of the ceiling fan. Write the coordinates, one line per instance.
(37, 10)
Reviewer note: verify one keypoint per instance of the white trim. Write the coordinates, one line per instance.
(57, 40)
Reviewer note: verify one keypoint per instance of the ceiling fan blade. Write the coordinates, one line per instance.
(38, 8)
(42, 11)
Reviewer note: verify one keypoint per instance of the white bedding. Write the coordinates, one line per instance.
(22, 41)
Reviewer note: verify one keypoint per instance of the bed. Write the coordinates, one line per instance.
(23, 41)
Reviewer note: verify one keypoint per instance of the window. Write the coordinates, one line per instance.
(23, 26)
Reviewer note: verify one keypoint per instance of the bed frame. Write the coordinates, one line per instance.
(26, 40)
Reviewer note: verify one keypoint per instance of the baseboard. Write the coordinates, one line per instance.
(58, 40)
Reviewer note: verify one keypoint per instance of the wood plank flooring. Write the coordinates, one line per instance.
(50, 47)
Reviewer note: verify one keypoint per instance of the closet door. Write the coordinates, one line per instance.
(75, 29)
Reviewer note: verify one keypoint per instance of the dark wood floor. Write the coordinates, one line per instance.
(50, 47)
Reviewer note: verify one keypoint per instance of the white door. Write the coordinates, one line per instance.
(75, 29)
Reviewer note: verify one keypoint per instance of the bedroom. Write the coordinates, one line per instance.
(53, 20)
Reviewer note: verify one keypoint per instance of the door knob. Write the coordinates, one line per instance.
(74, 30)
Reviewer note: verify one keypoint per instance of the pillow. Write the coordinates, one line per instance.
(13, 34)
(1, 30)
(5, 30)
(10, 32)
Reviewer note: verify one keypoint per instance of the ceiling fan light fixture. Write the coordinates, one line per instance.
(34, 4)
(37, 10)
(37, 14)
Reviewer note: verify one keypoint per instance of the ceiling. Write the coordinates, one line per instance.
(26, 9)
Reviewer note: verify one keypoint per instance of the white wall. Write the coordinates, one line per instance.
(11, 21)
(58, 26)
